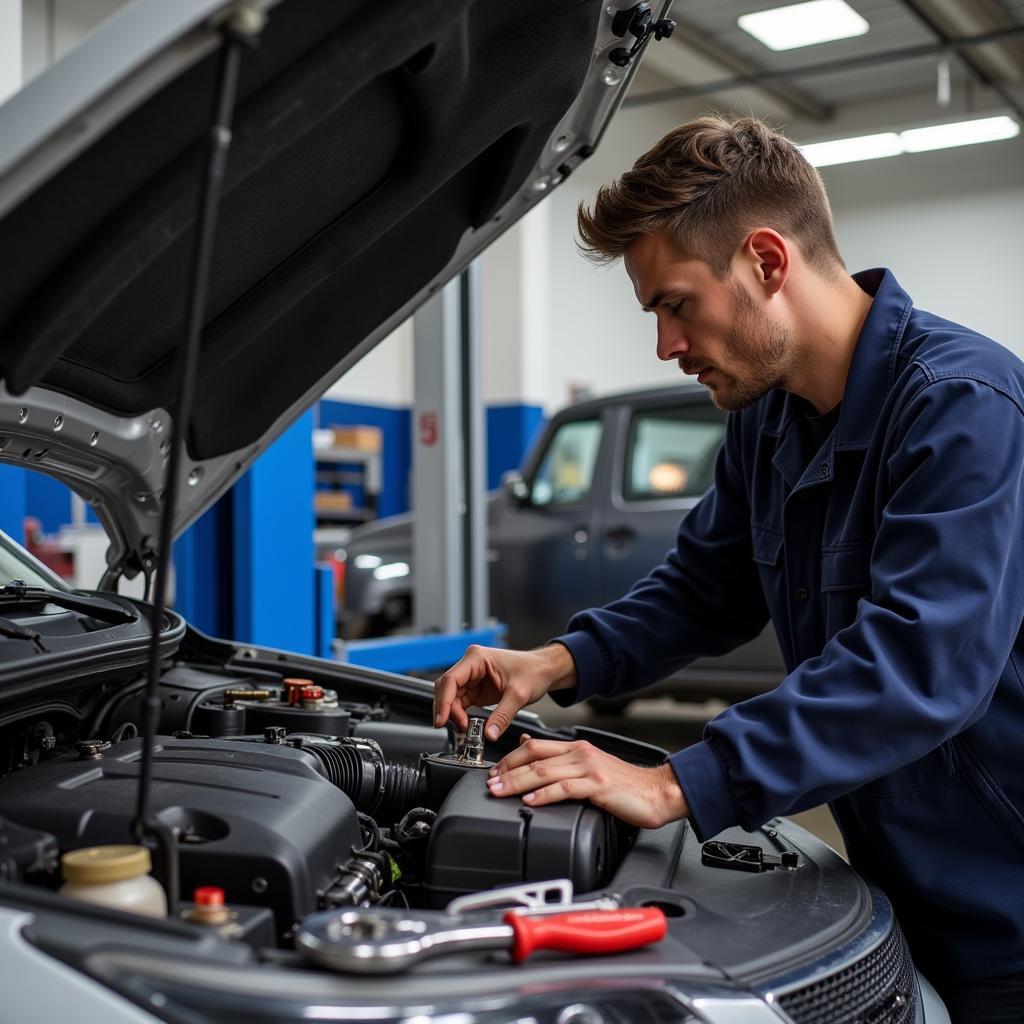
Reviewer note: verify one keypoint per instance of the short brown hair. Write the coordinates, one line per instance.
(705, 185)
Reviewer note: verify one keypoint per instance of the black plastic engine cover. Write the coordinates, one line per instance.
(480, 842)
(260, 821)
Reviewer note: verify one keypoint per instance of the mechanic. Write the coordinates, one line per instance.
(869, 499)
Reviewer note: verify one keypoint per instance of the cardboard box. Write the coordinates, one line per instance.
(366, 439)
(332, 501)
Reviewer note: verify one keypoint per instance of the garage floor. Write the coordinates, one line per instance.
(673, 725)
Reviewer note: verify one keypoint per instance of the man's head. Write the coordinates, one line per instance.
(712, 223)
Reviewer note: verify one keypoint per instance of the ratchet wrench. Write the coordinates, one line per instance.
(388, 940)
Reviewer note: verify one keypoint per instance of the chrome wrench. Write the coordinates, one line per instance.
(388, 940)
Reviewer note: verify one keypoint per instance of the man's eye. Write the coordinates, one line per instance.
(677, 306)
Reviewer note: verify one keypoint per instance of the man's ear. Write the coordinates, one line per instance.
(767, 255)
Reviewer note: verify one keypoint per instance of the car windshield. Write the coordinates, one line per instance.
(17, 564)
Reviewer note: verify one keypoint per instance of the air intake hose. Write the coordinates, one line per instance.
(382, 789)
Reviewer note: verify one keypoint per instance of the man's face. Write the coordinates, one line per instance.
(711, 328)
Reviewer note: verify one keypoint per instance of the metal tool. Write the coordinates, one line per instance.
(389, 940)
(532, 898)
(739, 857)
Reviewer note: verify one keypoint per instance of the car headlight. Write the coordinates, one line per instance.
(391, 571)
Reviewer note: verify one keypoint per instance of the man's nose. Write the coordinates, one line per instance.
(672, 342)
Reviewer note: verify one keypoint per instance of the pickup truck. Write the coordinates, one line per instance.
(594, 506)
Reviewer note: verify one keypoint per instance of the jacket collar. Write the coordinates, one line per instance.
(873, 368)
(871, 376)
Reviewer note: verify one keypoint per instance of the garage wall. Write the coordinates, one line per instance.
(948, 224)
(52, 27)
(10, 50)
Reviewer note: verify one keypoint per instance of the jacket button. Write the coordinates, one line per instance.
(824, 469)
(801, 593)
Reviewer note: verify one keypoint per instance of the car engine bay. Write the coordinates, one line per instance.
(284, 795)
(315, 800)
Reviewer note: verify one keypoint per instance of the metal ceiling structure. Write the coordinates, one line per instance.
(711, 56)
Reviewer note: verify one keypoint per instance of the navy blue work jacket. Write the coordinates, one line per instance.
(891, 563)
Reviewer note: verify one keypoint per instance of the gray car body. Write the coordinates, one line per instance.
(547, 562)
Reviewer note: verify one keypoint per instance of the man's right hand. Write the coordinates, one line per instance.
(494, 675)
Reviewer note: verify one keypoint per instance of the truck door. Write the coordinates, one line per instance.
(663, 464)
(542, 565)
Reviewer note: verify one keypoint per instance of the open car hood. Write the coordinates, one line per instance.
(377, 149)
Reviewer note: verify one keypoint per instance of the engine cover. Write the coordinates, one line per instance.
(258, 820)
(479, 842)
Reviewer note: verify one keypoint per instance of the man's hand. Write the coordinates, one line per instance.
(510, 679)
(547, 771)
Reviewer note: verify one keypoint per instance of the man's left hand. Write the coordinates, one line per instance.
(547, 771)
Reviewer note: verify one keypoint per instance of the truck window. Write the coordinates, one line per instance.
(566, 471)
(671, 452)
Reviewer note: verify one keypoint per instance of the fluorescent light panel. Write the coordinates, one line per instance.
(962, 133)
(820, 21)
(913, 140)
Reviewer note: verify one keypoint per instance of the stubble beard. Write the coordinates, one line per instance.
(762, 346)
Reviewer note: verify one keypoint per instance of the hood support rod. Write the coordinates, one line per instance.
(241, 27)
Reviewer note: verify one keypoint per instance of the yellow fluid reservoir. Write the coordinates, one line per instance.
(113, 876)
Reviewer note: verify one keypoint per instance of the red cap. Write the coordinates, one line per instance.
(293, 689)
(312, 693)
(210, 896)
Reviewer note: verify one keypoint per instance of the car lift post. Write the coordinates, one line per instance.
(449, 484)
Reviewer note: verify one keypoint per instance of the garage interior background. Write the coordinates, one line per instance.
(555, 328)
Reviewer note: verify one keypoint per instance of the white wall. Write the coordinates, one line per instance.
(45, 40)
(949, 225)
(383, 377)
(10, 49)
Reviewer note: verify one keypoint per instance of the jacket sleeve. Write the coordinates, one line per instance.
(704, 599)
(929, 642)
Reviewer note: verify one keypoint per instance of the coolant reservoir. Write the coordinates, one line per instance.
(113, 876)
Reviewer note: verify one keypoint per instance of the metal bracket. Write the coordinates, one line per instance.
(740, 857)
(639, 22)
(532, 899)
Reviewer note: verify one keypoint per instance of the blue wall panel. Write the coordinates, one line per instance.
(323, 582)
(396, 444)
(273, 545)
(13, 501)
(511, 430)
(202, 571)
(48, 500)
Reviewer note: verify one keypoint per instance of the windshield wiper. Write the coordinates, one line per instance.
(15, 632)
(18, 592)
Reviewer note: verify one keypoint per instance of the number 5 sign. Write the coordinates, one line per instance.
(429, 429)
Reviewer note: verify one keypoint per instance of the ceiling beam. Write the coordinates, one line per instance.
(690, 55)
(1004, 62)
(760, 78)
(977, 72)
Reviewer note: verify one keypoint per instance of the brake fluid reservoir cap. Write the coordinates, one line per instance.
(209, 907)
(210, 896)
(293, 689)
(95, 865)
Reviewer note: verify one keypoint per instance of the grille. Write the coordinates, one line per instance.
(880, 988)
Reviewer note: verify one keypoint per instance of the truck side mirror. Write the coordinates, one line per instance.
(517, 490)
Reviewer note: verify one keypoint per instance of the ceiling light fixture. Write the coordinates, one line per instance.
(912, 140)
(820, 21)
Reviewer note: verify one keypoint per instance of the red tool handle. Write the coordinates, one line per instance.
(586, 931)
